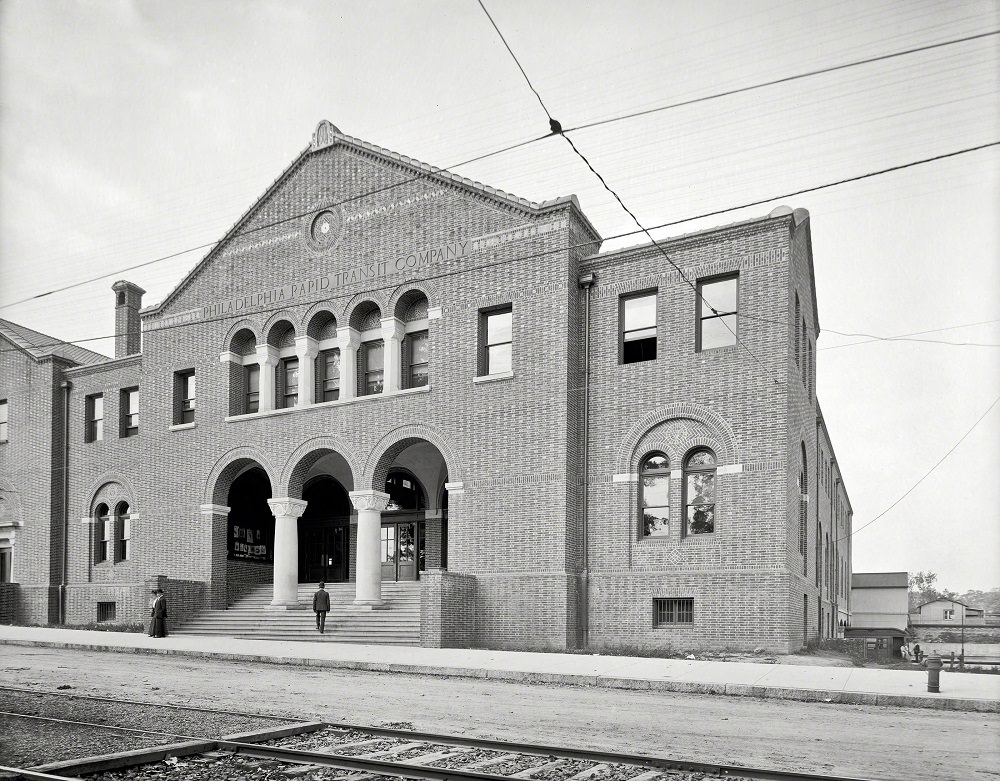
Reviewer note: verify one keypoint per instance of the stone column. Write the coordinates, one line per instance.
(267, 358)
(348, 340)
(307, 348)
(286, 551)
(392, 337)
(368, 568)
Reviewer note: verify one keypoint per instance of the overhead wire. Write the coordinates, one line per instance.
(487, 155)
(927, 474)
(549, 252)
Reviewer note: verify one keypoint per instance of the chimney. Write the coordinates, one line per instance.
(128, 301)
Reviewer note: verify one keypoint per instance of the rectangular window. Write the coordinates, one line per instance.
(5, 560)
(637, 319)
(3, 420)
(184, 397)
(949, 615)
(290, 373)
(496, 341)
(128, 406)
(419, 357)
(673, 611)
(105, 611)
(126, 539)
(95, 418)
(251, 376)
(718, 313)
(374, 359)
(330, 374)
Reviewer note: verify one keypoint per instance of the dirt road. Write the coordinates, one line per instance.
(845, 740)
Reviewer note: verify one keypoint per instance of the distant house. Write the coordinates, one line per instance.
(946, 612)
(880, 605)
(879, 600)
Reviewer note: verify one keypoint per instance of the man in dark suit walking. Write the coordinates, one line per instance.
(321, 606)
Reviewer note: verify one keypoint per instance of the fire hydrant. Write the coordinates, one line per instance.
(933, 664)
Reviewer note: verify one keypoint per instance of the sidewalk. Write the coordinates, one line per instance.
(850, 685)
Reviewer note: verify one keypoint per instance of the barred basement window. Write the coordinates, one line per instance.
(106, 611)
(672, 611)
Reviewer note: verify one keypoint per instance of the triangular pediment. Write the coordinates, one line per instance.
(343, 211)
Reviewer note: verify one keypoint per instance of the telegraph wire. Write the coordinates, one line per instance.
(899, 337)
(523, 257)
(773, 82)
(526, 142)
(926, 474)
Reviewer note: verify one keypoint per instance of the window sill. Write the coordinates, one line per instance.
(725, 349)
(493, 377)
(182, 426)
(328, 404)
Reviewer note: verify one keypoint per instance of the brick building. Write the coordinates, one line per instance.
(384, 371)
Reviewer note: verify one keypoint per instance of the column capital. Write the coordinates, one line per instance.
(306, 347)
(348, 338)
(230, 357)
(214, 509)
(369, 500)
(287, 507)
(392, 328)
(267, 353)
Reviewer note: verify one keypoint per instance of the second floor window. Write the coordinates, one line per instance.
(638, 328)
(330, 375)
(718, 313)
(419, 356)
(184, 397)
(290, 385)
(95, 417)
(129, 412)
(374, 364)
(497, 341)
(252, 382)
(3, 420)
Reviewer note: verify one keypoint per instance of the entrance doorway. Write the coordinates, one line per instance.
(325, 532)
(402, 550)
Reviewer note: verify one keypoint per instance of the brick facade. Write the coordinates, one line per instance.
(522, 549)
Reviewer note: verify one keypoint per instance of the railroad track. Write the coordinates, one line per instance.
(284, 748)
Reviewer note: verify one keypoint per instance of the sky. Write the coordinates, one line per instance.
(134, 134)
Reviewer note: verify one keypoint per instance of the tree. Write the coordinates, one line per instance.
(923, 588)
(989, 601)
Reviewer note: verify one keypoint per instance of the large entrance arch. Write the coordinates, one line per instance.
(325, 532)
(250, 536)
(402, 520)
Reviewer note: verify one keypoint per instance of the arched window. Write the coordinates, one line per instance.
(654, 495)
(699, 493)
(102, 533)
(123, 531)
(404, 492)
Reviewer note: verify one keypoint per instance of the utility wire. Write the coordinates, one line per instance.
(763, 84)
(511, 147)
(927, 474)
(528, 256)
(873, 338)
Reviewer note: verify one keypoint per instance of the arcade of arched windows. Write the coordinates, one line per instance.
(325, 361)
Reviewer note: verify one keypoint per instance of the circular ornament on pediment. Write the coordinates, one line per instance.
(325, 229)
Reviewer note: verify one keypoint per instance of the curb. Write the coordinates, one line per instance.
(601, 681)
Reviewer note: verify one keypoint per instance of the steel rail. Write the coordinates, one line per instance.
(411, 770)
(22, 772)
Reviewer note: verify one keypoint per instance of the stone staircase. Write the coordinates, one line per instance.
(251, 617)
